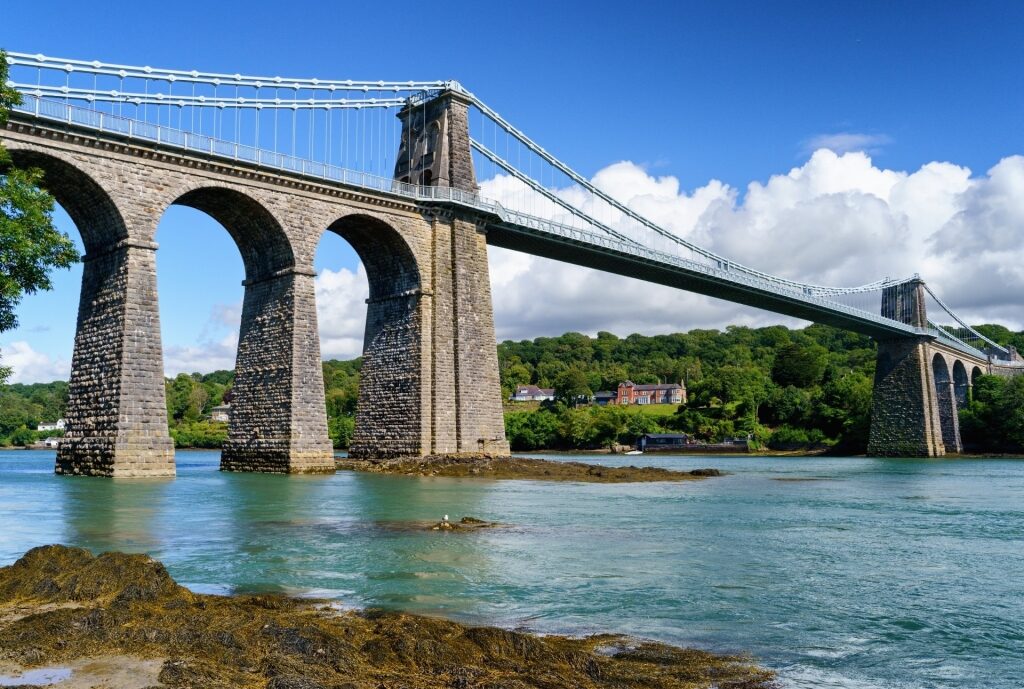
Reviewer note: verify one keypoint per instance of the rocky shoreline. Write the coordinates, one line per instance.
(120, 620)
(492, 467)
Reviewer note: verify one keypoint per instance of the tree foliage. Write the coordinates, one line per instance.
(733, 382)
(30, 246)
(993, 419)
(799, 364)
(813, 385)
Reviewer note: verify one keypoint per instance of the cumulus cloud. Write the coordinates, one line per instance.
(341, 312)
(29, 366)
(215, 348)
(203, 357)
(844, 142)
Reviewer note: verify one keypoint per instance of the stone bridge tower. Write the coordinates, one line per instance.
(905, 405)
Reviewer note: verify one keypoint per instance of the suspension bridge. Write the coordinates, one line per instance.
(419, 176)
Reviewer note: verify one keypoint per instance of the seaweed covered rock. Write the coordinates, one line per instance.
(58, 574)
(62, 605)
(528, 468)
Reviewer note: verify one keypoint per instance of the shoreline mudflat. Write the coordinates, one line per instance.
(516, 467)
(120, 620)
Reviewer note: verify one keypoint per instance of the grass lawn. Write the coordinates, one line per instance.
(651, 409)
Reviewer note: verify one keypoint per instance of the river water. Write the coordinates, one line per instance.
(844, 572)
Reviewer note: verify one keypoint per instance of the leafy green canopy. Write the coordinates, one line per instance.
(30, 246)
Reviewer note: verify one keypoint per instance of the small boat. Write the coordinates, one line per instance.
(635, 452)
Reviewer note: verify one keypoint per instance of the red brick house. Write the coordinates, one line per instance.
(663, 393)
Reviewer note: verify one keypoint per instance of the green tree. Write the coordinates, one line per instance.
(609, 424)
(800, 365)
(576, 427)
(341, 429)
(572, 386)
(30, 246)
(186, 398)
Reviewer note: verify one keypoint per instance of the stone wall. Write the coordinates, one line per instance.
(481, 425)
(277, 424)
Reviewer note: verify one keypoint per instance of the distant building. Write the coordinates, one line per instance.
(531, 393)
(57, 425)
(50, 442)
(667, 393)
(662, 441)
(221, 413)
(605, 397)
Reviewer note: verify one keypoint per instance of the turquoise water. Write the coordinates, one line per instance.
(850, 572)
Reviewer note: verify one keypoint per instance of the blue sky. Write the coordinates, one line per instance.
(733, 91)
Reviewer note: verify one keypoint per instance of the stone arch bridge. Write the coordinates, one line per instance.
(430, 374)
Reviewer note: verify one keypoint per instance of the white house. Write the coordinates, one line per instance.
(221, 413)
(57, 425)
(531, 393)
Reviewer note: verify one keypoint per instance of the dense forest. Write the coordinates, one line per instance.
(780, 387)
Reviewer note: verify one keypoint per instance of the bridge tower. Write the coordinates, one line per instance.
(448, 321)
(434, 150)
(906, 407)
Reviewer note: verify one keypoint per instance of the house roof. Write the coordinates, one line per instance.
(667, 436)
(651, 388)
(533, 390)
(606, 393)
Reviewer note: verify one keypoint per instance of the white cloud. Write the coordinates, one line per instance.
(29, 366)
(203, 357)
(215, 348)
(844, 142)
(341, 312)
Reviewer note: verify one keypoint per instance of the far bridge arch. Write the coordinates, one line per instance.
(961, 384)
(389, 413)
(945, 398)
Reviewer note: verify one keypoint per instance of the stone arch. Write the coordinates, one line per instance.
(391, 265)
(946, 401)
(96, 216)
(961, 384)
(276, 422)
(389, 411)
(262, 242)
